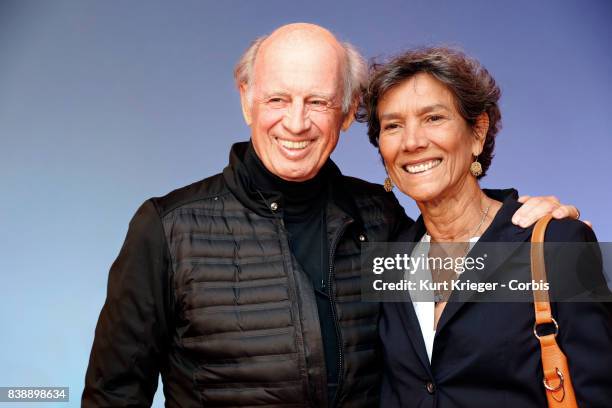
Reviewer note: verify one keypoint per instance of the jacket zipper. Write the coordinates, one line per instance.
(332, 301)
(284, 230)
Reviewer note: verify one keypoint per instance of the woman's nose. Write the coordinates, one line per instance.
(413, 138)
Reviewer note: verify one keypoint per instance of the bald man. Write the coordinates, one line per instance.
(243, 289)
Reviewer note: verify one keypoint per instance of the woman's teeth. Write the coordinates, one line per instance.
(294, 145)
(420, 168)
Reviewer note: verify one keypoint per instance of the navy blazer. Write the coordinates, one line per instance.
(485, 354)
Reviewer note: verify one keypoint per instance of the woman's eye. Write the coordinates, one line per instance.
(434, 118)
(390, 126)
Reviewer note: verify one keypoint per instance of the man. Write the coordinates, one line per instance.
(243, 289)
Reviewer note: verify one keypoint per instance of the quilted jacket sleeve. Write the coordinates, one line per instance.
(132, 331)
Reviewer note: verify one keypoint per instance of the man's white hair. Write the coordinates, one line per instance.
(355, 72)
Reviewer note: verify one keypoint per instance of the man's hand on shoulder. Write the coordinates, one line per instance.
(534, 208)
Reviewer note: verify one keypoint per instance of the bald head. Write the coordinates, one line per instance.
(303, 36)
(303, 30)
(306, 43)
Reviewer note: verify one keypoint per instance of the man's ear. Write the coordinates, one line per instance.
(244, 102)
(481, 127)
(350, 116)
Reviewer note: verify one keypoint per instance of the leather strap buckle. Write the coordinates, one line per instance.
(558, 387)
(535, 329)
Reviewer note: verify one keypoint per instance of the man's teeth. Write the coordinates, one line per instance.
(294, 145)
(419, 168)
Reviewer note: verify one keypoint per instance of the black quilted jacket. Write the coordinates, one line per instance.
(206, 292)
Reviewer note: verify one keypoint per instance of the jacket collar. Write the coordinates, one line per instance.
(341, 203)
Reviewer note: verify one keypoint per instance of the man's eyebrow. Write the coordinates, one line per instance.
(320, 95)
(275, 93)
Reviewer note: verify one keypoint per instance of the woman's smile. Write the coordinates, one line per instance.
(422, 167)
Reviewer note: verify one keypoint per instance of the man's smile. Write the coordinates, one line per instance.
(295, 149)
(294, 145)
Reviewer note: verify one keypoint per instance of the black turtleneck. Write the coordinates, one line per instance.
(303, 207)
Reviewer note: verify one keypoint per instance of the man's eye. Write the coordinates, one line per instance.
(318, 104)
(434, 118)
(276, 102)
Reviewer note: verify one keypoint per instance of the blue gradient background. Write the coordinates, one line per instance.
(106, 103)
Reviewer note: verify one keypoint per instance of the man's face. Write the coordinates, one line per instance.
(295, 106)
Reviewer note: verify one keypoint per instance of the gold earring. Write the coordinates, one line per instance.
(388, 184)
(476, 168)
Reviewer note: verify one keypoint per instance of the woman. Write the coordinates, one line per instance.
(433, 113)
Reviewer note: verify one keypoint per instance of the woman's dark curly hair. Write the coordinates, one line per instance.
(474, 89)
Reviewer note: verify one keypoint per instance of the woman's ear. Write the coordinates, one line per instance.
(245, 103)
(481, 127)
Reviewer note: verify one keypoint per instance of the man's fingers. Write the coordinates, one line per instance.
(553, 199)
(523, 199)
(534, 209)
(566, 211)
(569, 211)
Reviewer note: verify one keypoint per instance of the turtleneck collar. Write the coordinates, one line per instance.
(238, 181)
(300, 199)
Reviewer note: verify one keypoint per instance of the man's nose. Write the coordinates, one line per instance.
(296, 119)
(413, 138)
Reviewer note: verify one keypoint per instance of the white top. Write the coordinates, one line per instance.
(425, 310)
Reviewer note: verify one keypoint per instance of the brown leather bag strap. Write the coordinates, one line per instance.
(557, 381)
(538, 271)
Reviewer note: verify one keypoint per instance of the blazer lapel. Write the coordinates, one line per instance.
(408, 315)
(501, 230)
(411, 322)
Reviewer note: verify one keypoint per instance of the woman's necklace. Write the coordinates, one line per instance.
(441, 249)
(484, 217)
(482, 220)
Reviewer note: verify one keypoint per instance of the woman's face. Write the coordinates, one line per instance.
(426, 144)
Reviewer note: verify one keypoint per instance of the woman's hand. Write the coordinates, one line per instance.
(535, 208)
